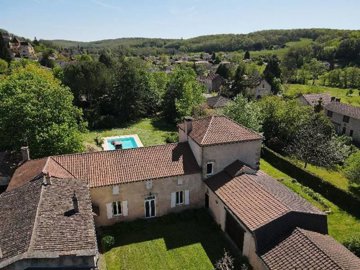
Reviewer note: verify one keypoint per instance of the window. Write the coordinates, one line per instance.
(209, 168)
(116, 208)
(343, 130)
(179, 181)
(346, 119)
(115, 190)
(351, 133)
(179, 197)
(149, 184)
(329, 113)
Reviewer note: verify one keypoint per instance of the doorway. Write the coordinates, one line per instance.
(234, 230)
(150, 207)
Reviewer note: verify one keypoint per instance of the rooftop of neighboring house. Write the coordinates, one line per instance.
(254, 197)
(211, 76)
(112, 167)
(42, 218)
(216, 129)
(313, 99)
(344, 109)
(304, 249)
(217, 101)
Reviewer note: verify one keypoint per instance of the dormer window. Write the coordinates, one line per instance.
(209, 168)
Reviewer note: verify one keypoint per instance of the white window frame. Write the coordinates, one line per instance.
(116, 205)
(180, 198)
(212, 168)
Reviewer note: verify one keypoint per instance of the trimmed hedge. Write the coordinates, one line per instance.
(341, 198)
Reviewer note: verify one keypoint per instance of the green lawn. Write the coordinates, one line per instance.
(150, 131)
(189, 240)
(341, 225)
(293, 90)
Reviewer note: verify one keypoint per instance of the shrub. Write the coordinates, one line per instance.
(172, 138)
(353, 244)
(107, 242)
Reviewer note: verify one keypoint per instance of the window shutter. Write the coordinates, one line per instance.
(109, 210)
(187, 199)
(173, 199)
(124, 208)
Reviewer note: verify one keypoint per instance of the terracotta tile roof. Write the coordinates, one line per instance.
(219, 129)
(304, 249)
(36, 168)
(344, 109)
(130, 165)
(313, 99)
(256, 199)
(217, 101)
(33, 221)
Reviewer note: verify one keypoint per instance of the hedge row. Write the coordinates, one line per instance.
(341, 198)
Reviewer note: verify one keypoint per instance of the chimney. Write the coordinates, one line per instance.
(338, 99)
(332, 99)
(188, 124)
(47, 179)
(25, 153)
(75, 203)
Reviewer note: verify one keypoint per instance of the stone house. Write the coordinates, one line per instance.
(345, 117)
(217, 102)
(257, 88)
(212, 82)
(313, 99)
(214, 165)
(26, 50)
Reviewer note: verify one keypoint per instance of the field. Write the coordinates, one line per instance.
(150, 132)
(293, 90)
(189, 240)
(341, 225)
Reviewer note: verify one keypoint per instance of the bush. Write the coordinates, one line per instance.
(107, 242)
(172, 138)
(353, 244)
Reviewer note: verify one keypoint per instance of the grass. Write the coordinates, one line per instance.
(189, 240)
(341, 224)
(293, 90)
(150, 132)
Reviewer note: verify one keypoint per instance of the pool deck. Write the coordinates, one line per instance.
(135, 136)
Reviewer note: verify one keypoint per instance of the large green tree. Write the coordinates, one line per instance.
(36, 110)
(272, 73)
(183, 94)
(352, 168)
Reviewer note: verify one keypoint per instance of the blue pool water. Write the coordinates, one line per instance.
(127, 142)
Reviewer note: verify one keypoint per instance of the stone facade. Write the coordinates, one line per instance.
(261, 89)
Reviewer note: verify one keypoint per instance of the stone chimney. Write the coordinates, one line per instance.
(188, 124)
(75, 203)
(47, 179)
(25, 153)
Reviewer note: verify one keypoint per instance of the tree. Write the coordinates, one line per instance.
(244, 112)
(225, 71)
(247, 55)
(352, 168)
(314, 143)
(182, 95)
(239, 82)
(272, 73)
(225, 263)
(315, 69)
(4, 49)
(3, 66)
(48, 122)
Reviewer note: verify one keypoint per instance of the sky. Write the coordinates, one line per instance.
(88, 20)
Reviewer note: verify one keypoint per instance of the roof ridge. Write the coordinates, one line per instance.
(207, 129)
(317, 247)
(61, 166)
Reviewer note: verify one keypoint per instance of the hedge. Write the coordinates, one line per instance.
(341, 198)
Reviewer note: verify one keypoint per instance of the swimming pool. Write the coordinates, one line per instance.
(127, 142)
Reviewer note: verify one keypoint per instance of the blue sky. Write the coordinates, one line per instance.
(86, 20)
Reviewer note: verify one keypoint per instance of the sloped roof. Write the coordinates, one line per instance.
(33, 169)
(216, 129)
(256, 199)
(217, 101)
(33, 220)
(304, 249)
(344, 109)
(113, 167)
(313, 99)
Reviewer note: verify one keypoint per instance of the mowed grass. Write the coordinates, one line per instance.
(189, 240)
(341, 224)
(150, 131)
(294, 90)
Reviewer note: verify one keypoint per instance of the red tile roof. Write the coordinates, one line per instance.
(304, 249)
(256, 199)
(218, 130)
(113, 167)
